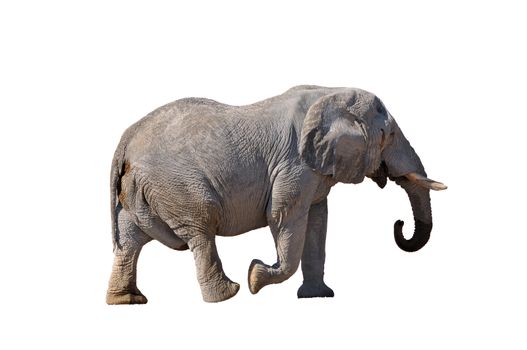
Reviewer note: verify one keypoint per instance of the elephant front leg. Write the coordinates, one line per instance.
(314, 254)
(289, 236)
(215, 285)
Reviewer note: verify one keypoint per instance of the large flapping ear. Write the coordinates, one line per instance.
(334, 139)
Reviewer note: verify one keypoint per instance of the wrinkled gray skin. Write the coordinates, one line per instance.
(196, 168)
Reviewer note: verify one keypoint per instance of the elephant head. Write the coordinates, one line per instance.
(350, 135)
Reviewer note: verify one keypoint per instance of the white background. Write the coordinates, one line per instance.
(74, 76)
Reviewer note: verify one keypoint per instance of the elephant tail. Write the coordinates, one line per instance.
(115, 187)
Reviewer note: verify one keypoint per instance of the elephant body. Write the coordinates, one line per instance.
(224, 159)
(196, 168)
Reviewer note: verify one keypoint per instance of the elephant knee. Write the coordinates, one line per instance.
(287, 270)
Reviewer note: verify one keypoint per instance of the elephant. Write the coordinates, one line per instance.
(196, 168)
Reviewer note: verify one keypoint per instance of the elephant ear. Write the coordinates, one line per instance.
(333, 139)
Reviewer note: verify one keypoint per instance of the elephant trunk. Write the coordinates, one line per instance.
(420, 201)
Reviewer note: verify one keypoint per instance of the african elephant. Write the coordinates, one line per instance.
(196, 168)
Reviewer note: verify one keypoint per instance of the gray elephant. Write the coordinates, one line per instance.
(196, 168)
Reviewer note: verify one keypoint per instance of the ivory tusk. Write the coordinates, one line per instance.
(425, 182)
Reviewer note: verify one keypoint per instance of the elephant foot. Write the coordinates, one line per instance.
(257, 278)
(315, 290)
(125, 298)
(221, 291)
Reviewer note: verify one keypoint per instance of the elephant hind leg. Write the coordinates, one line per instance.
(122, 288)
(215, 285)
(161, 232)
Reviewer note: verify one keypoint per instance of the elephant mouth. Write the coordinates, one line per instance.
(380, 175)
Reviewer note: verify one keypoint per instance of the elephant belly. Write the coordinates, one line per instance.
(234, 229)
(240, 216)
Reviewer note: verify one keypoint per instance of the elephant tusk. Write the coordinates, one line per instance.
(425, 182)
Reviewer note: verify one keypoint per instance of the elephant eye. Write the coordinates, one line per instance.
(386, 139)
(380, 109)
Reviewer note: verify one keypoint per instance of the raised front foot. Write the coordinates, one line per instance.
(315, 290)
(125, 298)
(219, 291)
(257, 277)
(261, 274)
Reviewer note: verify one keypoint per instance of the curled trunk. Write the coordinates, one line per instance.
(420, 201)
